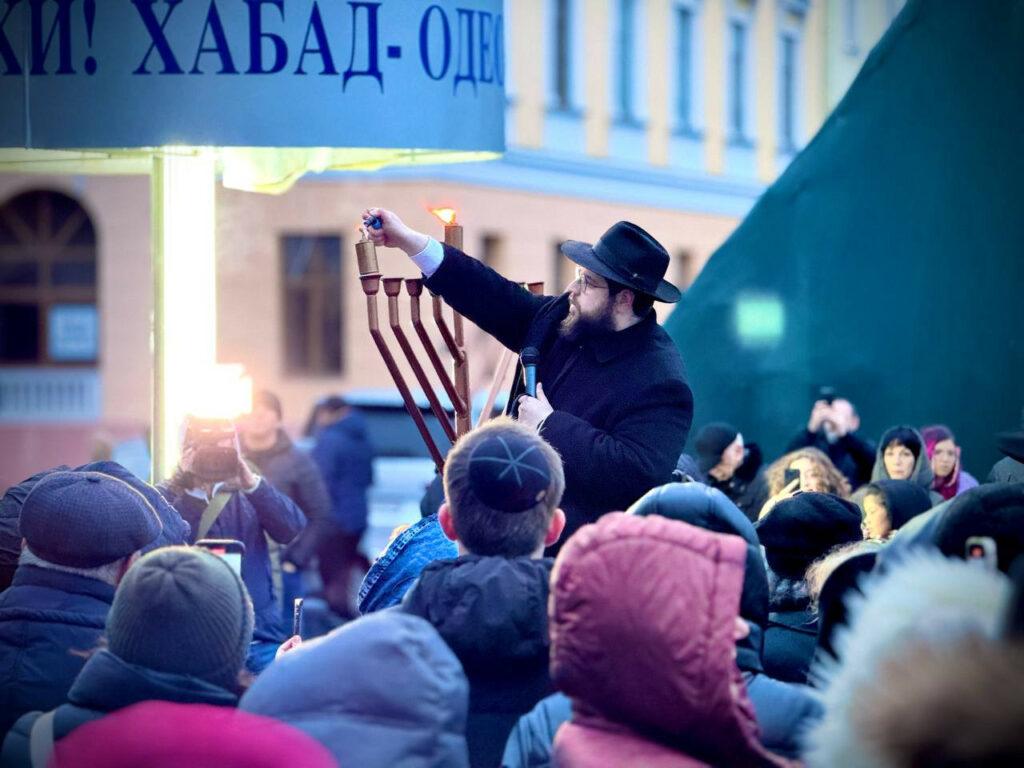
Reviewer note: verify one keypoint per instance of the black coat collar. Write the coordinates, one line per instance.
(613, 345)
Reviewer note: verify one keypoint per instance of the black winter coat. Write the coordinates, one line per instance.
(622, 407)
(106, 684)
(492, 612)
(49, 621)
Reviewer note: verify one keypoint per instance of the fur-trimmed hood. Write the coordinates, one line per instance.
(925, 601)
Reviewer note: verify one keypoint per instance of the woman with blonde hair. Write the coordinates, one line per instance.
(817, 474)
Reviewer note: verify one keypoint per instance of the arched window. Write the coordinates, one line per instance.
(47, 281)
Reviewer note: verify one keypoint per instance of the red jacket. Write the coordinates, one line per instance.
(642, 626)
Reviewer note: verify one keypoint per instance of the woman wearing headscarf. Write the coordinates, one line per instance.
(901, 456)
(944, 454)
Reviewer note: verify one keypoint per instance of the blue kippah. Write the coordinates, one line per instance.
(509, 473)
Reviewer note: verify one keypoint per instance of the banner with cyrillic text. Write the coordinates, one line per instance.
(257, 73)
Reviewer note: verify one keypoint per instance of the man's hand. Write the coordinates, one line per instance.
(182, 478)
(244, 479)
(788, 492)
(393, 233)
(290, 644)
(820, 413)
(533, 410)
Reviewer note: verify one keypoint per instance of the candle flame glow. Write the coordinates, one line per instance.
(447, 215)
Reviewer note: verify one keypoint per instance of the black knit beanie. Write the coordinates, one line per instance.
(711, 441)
(184, 611)
(801, 529)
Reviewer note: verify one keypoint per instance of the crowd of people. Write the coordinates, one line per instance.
(567, 599)
(686, 630)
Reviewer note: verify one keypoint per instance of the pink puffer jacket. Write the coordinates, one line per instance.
(642, 627)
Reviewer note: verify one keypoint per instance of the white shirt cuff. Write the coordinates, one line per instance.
(430, 258)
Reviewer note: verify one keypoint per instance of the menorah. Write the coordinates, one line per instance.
(454, 384)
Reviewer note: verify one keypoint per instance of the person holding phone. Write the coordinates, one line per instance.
(804, 470)
(219, 496)
(832, 429)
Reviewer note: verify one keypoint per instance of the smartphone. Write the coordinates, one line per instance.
(982, 550)
(789, 476)
(297, 617)
(828, 394)
(229, 550)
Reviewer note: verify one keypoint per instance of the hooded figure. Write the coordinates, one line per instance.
(783, 709)
(380, 691)
(492, 612)
(921, 472)
(890, 504)
(673, 591)
(179, 630)
(798, 531)
(940, 439)
(924, 604)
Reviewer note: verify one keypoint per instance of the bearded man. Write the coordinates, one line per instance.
(612, 396)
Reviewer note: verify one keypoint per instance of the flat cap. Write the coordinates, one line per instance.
(86, 519)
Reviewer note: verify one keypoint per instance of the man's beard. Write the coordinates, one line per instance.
(576, 327)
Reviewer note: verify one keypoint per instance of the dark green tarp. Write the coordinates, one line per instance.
(888, 260)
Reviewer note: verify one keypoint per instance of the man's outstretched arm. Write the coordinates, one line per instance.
(499, 306)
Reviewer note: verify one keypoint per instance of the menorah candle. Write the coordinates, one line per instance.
(366, 256)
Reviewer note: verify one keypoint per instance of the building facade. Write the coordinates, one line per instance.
(674, 114)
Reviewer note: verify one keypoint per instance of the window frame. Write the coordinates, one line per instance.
(44, 295)
(317, 285)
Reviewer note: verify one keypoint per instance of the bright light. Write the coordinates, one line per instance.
(184, 230)
(447, 215)
(221, 392)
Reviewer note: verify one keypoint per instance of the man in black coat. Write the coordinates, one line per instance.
(612, 396)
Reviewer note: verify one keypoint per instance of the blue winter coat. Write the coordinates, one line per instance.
(49, 622)
(345, 457)
(250, 518)
(106, 684)
(383, 691)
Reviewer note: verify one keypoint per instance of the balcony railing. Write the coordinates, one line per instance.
(49, 395)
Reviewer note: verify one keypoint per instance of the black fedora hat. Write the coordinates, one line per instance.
(629, 256)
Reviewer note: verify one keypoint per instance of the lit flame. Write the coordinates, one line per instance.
(221, 392)
(447, 215)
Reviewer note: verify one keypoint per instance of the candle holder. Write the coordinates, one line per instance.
(456, 383)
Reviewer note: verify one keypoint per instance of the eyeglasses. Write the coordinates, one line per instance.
(586, 281)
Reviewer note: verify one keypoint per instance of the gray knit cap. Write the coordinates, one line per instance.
(182, 610)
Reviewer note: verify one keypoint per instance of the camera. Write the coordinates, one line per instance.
(214, 441)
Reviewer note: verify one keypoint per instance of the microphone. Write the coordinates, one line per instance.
(529, 358)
